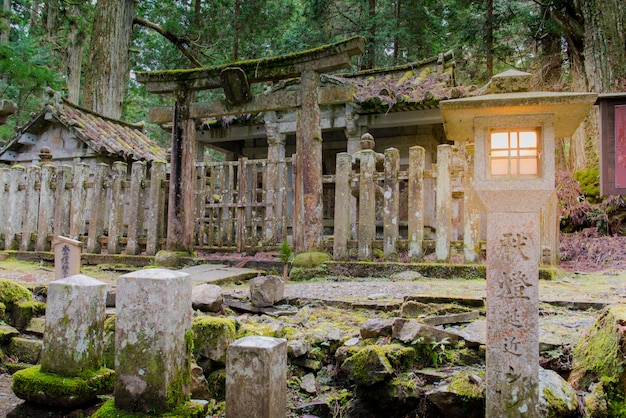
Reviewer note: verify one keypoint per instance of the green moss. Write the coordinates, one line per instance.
(375, 363)
(11, 292)
(52, 389)
(253, 329)
(557, 406)
(311, 259)
(211, 330)
(589, 180)
(217, 384)
(185, 410)
(465, 387)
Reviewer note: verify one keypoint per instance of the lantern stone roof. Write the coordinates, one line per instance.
(106, 136)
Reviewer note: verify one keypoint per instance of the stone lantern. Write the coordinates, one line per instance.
(513, 131)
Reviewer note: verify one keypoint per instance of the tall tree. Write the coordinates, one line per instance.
(109, 61)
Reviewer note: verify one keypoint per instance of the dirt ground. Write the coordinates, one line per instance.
(593, 268)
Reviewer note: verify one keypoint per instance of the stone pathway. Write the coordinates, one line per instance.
(218, 274)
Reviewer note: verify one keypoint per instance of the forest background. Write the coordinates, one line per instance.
(91, 49)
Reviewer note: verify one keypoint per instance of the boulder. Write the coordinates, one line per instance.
(266, 290)
(170, 259)
(25, 350)
(377, 363)
(461, 395)
(212, 336)
(7, 332)
(298, 348)
(374, 328)
(405, 276)
(308, 383)
(207, 298)
(409, 330)
(556, 397)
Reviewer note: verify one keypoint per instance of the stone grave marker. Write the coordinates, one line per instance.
(66, 257)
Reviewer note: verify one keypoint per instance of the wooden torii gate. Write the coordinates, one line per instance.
(235, 79)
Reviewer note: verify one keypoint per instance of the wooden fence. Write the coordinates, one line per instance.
(244, 205)
(101, 207)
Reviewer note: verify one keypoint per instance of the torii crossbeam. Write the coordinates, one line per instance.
(235, 78)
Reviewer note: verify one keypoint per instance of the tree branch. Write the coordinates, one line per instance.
(183, 44)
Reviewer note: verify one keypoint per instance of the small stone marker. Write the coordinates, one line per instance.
(70, 373)
(256, 378)
(74, 329)
(66, 257)
(152, 363)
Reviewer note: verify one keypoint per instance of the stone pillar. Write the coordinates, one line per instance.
(391, 198)
(97, 206)
(62, 200)
(154, 224)
(46, 206)
(78, 207)
(4, 198)
(417, 157)
(136, 207)
(181, 201)
(66, 257)
(116, 207)
(14, 207)
(367, 203)
(353, 134)
(444, 202)
(343, 198)
(31, 207)
(152, 358)
(256, 378)
(275, 152)
(308, 228)
(471, 210)
(73, 336)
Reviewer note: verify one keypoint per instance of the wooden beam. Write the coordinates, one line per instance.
(277, 100)
(322, 60)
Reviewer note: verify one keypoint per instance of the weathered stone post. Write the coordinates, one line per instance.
(14, 207)
(46, 206)
(4, 198)
(155, 215)
(514, 134)
(98, 204)
(71, 372)
(256, 378)
(367, 202)
(136, 207)
(116, 206)
(79, 200)
(343, 200)
(471, 210)
(444, 202)
(31, 207)
(152, 358)
(417, 157)
(62, 200)
(66, 257)
(275, 152)
(73, 337)
(391, 202)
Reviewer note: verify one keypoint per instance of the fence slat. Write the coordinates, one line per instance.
(97, 205)
(31, 207)
(15, 206)
(62, 196)
(342, 206)
(46, 206)
(78, 206)
(391, 199)
(443, 220)
(136, 207)
(416, 202)
(367, 203)
(155, 216)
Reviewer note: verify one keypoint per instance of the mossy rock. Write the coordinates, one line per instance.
(42, 388)
(307, 273)
(251, 329)
(311, 259)
(25, 350)
(212, 336)
(170, 259)
(599, 356)
(188, 409)
(23, 312)
(217, 384)
(377, 363)
(7, 332)
(11, 292)
(108, 344)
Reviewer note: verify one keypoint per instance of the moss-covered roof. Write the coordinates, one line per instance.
(108, 137)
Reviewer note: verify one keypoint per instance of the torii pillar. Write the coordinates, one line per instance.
(235, 79)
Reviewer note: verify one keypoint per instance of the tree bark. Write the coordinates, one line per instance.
(236, 31)
(74, 58)
(108, 64)
(371, 42)
(5, 22)
(489, 38)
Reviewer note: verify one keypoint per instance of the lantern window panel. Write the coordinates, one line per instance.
(514, 153)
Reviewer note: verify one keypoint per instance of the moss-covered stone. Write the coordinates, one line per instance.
(188, 409)
(377, 363)
(212, 336)
(11, 292)
(23, 312)
(25, 350)
(171, 259)
(307, 273)
(36, 386)
(6, 333)
(108, 345)
(311, 259)
(217, 384)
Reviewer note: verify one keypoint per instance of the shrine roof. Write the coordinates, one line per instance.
(104, 135)
(412, 86)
